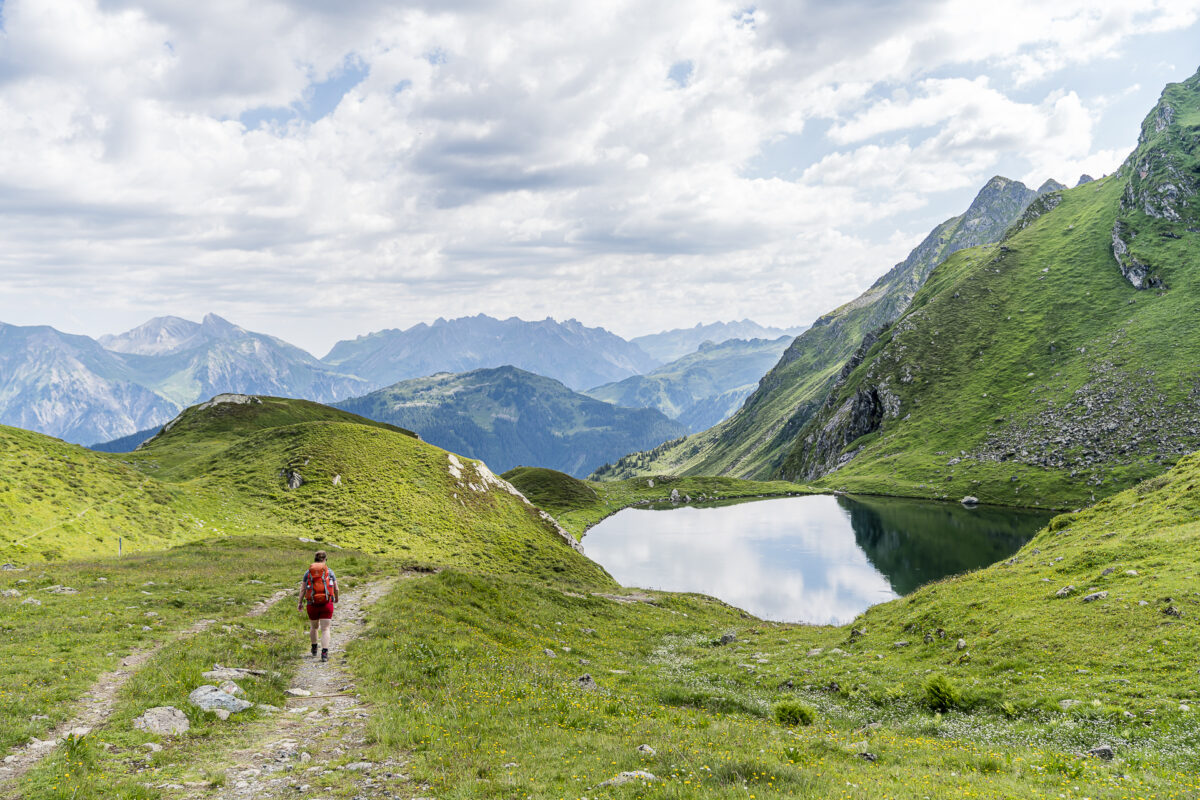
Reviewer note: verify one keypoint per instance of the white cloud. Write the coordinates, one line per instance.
(507, 157)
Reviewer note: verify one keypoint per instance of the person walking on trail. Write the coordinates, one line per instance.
(318, 588)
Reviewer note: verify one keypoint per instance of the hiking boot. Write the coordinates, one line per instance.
(314, 649)
(324, 654)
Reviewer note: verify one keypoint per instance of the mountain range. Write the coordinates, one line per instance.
(701, 388)
(509, 417)
(1034, 351)
(671, 345)
(117, 390)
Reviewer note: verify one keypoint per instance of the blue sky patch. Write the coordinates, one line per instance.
(681, 72)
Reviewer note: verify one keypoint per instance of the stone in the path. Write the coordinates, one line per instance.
(585, 681)
(209, 698)
(220, 673)
(1095, 596)
(1103, 752)
(163, 720)
(294, 692)
(626, 777)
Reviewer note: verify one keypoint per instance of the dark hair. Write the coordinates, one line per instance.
(320, 556)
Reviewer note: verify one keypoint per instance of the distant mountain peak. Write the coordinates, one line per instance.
(1051, 185)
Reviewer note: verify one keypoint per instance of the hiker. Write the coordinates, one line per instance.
(319, 588)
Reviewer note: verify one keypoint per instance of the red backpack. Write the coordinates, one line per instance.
(320, 587)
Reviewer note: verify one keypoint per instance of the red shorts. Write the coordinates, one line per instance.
(320, 611)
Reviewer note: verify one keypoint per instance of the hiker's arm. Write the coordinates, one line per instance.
(300, 604)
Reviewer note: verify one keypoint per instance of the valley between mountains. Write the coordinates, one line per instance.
(1033, 351)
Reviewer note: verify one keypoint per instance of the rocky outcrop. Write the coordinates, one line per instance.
(1136, 271)
(1161, 186)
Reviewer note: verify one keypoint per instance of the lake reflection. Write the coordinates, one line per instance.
(820, 559)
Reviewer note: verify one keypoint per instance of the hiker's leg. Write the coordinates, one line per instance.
(325, 633)
(312, 630)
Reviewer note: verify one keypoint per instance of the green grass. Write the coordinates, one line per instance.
(460, 681)
(113, 763)
(55, 650)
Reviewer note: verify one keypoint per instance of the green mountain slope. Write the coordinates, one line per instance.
(508, 417)
(701, 388)
(1040, 371)
(58, 499)
(754, 442)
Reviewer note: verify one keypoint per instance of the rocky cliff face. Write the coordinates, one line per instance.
(70, 387)
(1161, 185)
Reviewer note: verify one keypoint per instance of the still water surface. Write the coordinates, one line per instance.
(820, 559)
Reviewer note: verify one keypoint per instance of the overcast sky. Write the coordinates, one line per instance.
(317, 169)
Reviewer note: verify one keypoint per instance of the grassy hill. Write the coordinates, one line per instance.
(507, 417)
(702, 388)
(1037, 371)
(754, 442)
(247, 465)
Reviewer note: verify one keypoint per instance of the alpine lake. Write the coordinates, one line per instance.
(820, 559)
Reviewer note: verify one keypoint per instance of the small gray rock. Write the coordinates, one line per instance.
(1103, 752)
(645, 749)
(163, 720)
(728, 638)
(626, 777)
(961, 644)
(1094, 596)
(1064, 591)
(210, 698)
(585, 681)
(970, 500)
